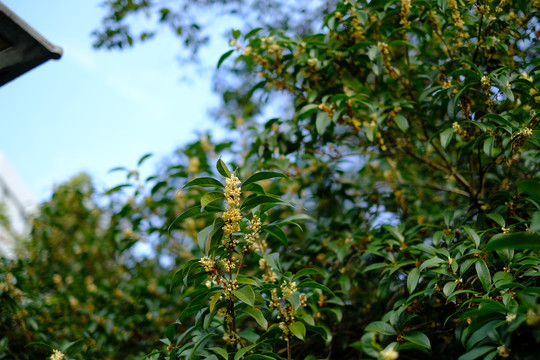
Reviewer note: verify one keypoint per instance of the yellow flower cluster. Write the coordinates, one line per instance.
(252, 238)
(288, 288)
(57, 355)
(456, 16)
(208, 264)
(405, 11)
(228, 265)
(232, 191)
(459, 130)
(389, 354)
(232, 216)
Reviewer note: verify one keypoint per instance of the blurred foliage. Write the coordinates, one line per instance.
(413, 145)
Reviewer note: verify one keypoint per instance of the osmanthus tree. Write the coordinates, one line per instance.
(76, 288)
(420, 117)
(414, 147)
(407, 225)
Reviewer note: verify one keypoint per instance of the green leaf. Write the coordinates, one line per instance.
(196, 210)
(143, 158)
(204, 182)
(535, 222)
(401, 122)
(214, 300)
(74, 347)
(308, 283)
(531, 187)
(472, 234)
(322, 122)
(434, 261)
(476, 353)
(276, 232)
(257, 315)
(252, 33)
(221, 352)
(224, 57)
(395, 232)
(446, 137)
(298, 329)
(418, 338)
(202, 238)
(306, 110)
(240, 353)
(117, 188)
(483, 274)
(259, 357)
(403, 43)
(308, 271)
(245, 294)
(489, 147)
(199, 343)
(210, 197)
(497, 218)
(41, 345)
(263, 175)
(520, 241)
(380, 327)
(371, 132)
(412, 279)
(449, 287)
(170, 331)
(223, 169)
(261, 199)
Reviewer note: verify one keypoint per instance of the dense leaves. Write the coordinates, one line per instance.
(408, 219)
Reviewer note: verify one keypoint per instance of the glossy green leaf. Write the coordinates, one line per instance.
(257, 315)
(203, 182)
(298, 329)
(224, 57)
(412, 279)
(276, 232)
(263, 175)
(261, 199)
(308, 271)
(196, 210)
(476, 353)
(401, 122)
(418, 338)
(483, 274)
(210, 197)
(446, 136)
(380, 327)
(245, 294)
(474, 236)
(221, 352)
(223, 169)
(520, 240)
(531, 187)
(322, 122)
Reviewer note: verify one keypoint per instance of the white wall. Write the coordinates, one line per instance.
(19, 204)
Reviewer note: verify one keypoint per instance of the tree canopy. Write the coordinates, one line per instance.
(394, 212)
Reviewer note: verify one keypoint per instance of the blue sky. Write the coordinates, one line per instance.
(95, 110)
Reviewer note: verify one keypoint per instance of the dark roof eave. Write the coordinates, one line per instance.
(25, 49)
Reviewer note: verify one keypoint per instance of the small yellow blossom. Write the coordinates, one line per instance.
(57, 355)
(208, 264)
(503, 351)
(510, 317)
(228, 265)
(288, 288)
(389, 354)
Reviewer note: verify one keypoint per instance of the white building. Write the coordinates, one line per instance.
(22, 49)
(18, 205)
